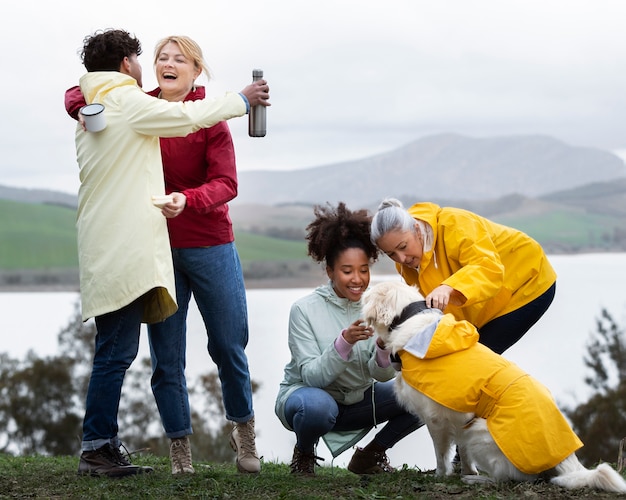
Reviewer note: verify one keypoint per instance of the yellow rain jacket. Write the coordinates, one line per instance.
(497, 268)
(123, 245)
(463, 375)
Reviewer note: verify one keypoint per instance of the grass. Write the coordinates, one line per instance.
(253, 247)
(37, 236)
(43, 237)
(560, 227)
(55, 477)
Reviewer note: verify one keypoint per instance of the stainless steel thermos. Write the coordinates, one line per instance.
(256, 118)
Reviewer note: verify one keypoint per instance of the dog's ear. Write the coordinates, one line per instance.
(384, 305)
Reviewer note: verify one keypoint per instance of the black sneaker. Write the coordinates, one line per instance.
(108, 461)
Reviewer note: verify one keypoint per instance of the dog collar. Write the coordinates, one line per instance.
(410, 310)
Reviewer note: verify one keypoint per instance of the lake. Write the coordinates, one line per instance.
(551, 351)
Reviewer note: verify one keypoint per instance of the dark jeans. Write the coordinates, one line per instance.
(117, 343)
(312, 412)
(501, 333)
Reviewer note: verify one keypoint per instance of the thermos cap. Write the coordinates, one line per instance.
(257, 73)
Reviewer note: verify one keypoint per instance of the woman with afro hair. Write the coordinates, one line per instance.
(339, 382)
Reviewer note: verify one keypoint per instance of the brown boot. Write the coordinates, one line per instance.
(242, 441)
(369, 462)
(303, 463)
(180, 456)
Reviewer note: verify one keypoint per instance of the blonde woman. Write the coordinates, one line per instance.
(201, 176)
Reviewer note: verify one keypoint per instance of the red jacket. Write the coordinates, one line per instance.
(202, 167)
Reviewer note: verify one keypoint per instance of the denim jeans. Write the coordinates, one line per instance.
(117, 343)
(312, 412)
(501, 333)
(214, 276)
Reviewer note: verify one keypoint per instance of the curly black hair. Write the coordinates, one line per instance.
(335, 230)
(105, 50)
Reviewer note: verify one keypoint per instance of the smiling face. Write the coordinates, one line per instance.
(351, 274)
(175, 72)
(404, 247)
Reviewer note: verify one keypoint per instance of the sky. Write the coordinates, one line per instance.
(348, 78)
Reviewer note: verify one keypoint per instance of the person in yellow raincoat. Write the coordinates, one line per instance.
(447, 364)
(496, 277)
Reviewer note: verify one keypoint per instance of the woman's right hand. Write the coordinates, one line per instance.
(257, 92)
(357, 331)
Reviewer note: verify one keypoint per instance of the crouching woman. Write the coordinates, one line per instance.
(339, 381)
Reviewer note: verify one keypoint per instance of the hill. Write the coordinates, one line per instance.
(569, 199)
(446, 166)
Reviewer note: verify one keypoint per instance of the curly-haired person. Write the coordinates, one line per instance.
(339, 382)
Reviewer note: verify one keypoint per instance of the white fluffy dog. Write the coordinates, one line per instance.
(503, 421)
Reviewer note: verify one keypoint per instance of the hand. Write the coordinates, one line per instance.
(445, 295)
(357, 331)
(175, 207)
(257, 93)
(81, 120)
(440, 297)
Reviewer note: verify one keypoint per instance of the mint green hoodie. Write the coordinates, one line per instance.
(315, 322)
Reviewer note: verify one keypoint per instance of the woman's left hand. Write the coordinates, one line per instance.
(175, 207)
(357, 331)
(443, 295)
(439, 297)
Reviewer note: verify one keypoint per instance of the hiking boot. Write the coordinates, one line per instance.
(180, 456)
(108, 461)
(242, 442)
(303, 463)
(369, 462)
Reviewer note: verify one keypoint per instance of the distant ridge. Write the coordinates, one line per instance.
(38, 196)
(448, 166)
(451, 167)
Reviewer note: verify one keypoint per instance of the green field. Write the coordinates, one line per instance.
(570, 230)
(43, 237)
(37, 236)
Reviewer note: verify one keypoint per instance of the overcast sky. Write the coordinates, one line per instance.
(348, 78)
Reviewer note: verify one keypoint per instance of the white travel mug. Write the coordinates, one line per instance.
(94, 117)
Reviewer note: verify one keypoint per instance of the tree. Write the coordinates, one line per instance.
(42, 402)
(600, 422)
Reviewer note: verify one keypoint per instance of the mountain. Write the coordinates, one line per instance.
(445, 166)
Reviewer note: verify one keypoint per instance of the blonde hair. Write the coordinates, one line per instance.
(190, 49)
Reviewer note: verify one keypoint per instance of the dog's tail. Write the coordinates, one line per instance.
(603, 477)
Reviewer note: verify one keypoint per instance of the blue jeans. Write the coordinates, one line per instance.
(214, 276)
(501, 333)
(117, 343)
(312, 412)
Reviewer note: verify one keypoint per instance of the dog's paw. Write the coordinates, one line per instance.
(476, 479)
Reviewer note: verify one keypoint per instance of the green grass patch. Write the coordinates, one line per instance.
(55, 477)
(37, 236)
(577, 230)
(254, 247)
(44, 236)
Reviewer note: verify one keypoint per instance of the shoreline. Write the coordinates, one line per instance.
(305, 281)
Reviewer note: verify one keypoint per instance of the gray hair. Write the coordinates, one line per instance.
(391, 216)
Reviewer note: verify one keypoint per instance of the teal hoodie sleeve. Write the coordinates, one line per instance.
(318, 361)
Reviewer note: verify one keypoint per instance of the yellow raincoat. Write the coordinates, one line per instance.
(123, 246)
(462, 374)
(497, 268)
